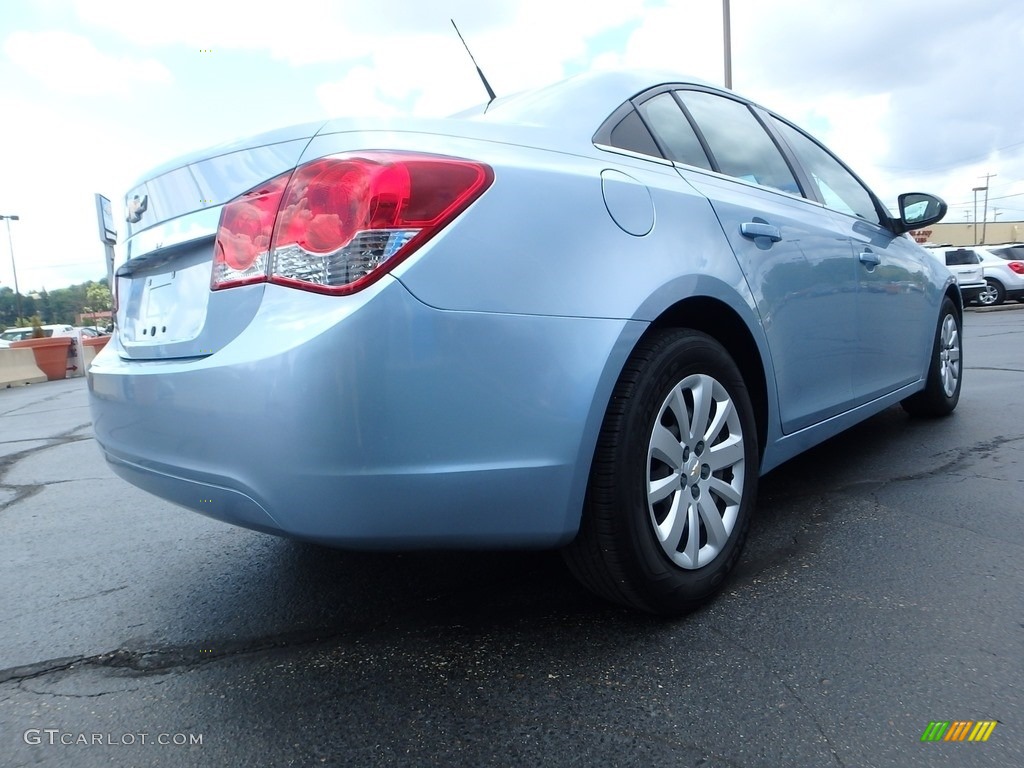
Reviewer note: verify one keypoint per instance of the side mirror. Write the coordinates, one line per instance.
(917, 210)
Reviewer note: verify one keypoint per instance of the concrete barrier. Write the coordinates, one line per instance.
(88, 353)
(18, 367)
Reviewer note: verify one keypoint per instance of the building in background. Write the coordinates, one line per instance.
(994, 232)
(100, 319)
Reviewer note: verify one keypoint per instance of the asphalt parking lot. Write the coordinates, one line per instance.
(882, 589)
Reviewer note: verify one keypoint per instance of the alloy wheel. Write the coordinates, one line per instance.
(949, 355)
(989, 295)
(695, 469)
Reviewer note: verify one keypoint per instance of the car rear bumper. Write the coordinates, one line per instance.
(970, 292)
(372, 421)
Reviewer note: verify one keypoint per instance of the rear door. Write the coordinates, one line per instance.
(798, 267)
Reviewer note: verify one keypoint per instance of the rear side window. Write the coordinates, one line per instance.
(632, 134)
(738, 142)
(961, 257)
(674, 131)
(1010, 252)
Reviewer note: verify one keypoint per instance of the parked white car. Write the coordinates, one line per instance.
(966, 265)
(17, 334)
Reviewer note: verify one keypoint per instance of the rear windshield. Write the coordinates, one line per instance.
(960, 257)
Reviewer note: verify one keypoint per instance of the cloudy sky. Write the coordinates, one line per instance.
(914, 94)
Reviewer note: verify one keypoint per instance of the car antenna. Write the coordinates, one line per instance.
(483, 79)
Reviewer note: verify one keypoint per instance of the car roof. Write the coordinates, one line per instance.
(562, 116)
(583, 99)
(54, 326)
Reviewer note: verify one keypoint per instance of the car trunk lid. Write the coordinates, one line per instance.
(165, 307)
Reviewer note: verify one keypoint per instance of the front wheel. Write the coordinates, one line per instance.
(673, 480)
(942, 387)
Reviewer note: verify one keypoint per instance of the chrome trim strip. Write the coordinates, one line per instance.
(631, 153)
(184, 229)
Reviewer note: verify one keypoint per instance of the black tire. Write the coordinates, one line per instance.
(617, 553)
(945, 372)
(993, 294)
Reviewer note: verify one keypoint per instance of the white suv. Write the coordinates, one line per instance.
(966, 265)
(1003, 266)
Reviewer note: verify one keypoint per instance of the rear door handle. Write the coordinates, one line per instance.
(753, 229)
(870, 258)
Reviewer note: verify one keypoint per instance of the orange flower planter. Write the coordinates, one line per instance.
(96, 342)
(51, 354)
(91, 346)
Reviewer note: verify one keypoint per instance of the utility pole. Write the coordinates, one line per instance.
(984, 217)
(727, 42)
(976, 190)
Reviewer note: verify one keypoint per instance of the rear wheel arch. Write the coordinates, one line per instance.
(722, 323)
(674, 477)
(956, 297)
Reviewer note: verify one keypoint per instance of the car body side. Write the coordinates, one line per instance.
(411, 410)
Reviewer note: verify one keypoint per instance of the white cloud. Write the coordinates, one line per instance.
(308, 32)
(915, 103)
(521, 32)
(363, 92)
(679, 37)
(426, 72)
(69, 63)
(901, 102)
(425, 76)
(64, 158)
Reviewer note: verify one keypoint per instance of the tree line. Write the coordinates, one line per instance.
(62, 305)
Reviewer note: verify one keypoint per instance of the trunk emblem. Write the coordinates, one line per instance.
(136, 208)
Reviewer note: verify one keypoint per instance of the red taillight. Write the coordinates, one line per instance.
(240, 254)
(339, 223)
(1017, 266)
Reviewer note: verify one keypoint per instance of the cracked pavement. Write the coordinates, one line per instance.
(882, 588)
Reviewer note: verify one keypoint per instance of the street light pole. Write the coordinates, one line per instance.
(10, 242)
(727, 42)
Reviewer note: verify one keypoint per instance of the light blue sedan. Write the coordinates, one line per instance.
(587, 316)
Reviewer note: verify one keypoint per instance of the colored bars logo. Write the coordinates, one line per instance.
(959, 730)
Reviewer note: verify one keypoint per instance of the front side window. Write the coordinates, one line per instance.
(840, 190)
(739, 143)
